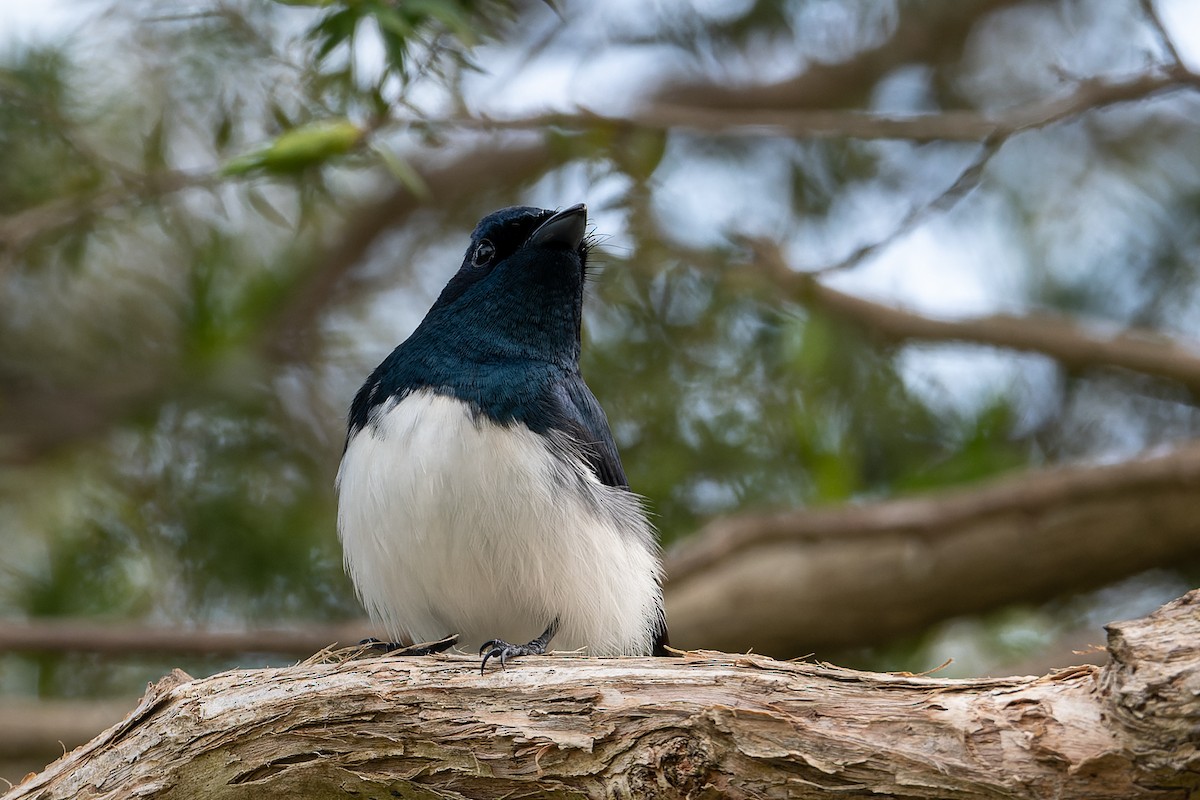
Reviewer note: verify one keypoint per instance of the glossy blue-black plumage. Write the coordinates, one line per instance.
(504, 337)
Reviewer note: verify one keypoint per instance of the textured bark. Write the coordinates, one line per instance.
(708, 725)
(810, 581)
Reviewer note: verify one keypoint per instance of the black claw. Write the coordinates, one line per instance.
(495, 648)
(498, 648)
(418, 649)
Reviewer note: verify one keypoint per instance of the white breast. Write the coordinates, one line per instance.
(453, 524)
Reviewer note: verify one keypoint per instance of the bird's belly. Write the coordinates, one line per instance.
(453, 524)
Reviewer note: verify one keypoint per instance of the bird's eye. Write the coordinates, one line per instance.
(485, 251)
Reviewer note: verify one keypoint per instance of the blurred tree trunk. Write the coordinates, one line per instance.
(709, 725)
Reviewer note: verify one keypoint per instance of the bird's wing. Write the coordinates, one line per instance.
(581, 417)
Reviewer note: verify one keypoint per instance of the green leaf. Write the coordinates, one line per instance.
(638, 152)
(300, 148)
(391, 21)
(334, 29)
(154, 146)
(281, 117)
(263, 206)
(224, 130)
(451, 15)
(402, 171)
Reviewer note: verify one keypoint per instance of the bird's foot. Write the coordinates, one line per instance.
(498, 648)
(419, 649)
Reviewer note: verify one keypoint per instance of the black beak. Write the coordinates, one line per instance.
(566, 228)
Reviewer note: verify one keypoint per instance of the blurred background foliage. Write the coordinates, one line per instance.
(189, 298)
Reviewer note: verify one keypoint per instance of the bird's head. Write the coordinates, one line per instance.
(519, 291)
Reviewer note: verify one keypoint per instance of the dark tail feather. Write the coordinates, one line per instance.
(661, 640)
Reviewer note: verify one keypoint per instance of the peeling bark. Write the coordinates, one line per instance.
(707, 725)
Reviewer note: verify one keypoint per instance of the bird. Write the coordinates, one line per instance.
(480, 491)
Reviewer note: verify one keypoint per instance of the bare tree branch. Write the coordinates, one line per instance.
(803, 581)
(18, 231)
(35, 732)
(39, 417)
(963, 185)
(708, 725)
(1151, 12)
(919, 37)
(1060, 338)
(58, 635)
(945, 126)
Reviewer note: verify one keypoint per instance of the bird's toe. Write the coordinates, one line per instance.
(503, 651)
(418, 649)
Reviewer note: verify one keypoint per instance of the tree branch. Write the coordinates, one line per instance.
(966, 182)
(918, 38)
(945, 126)
(58, 635)
(18, 231)
(1152, 16)
(708, 725)
(1060, 338)
(35, 732)
(804, 581)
